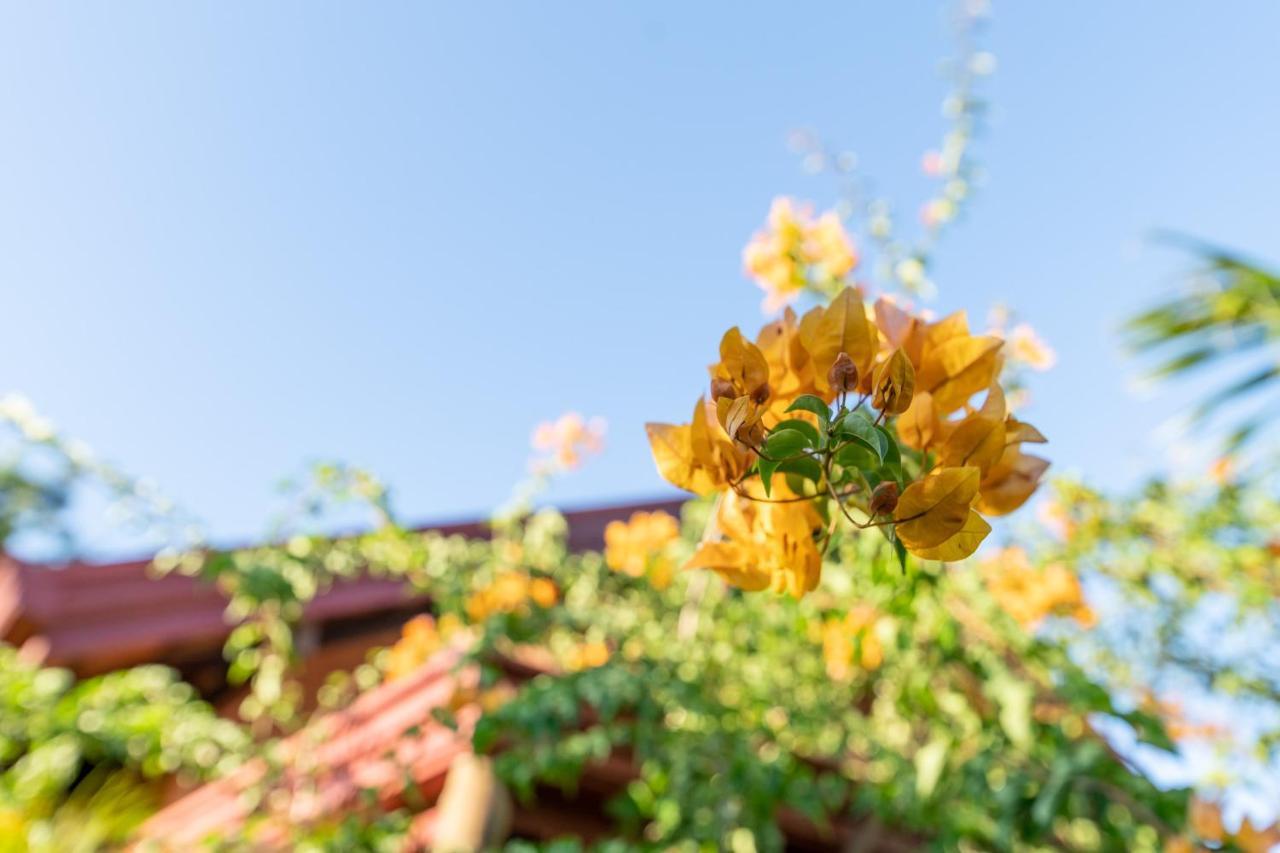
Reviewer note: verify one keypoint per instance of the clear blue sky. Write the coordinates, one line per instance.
(237, 237)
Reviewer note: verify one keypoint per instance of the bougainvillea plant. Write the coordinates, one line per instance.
(849, 416)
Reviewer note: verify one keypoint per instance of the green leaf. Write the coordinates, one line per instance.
(815, 437)
(784, 443)
(857, 456)
(899, 550)
(810, 403)
(892, 456)
(805, 467)
(855, 427)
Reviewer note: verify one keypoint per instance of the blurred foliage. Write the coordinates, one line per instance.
(78, 760)
(1229, 313)
(1198, 566)
(962, 726)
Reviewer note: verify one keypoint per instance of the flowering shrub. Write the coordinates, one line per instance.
(849, 416)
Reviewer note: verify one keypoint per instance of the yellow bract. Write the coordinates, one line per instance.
(742, 367)
(766, 545)
(893, 384)
(977, 440)
(699, 456)
(791, 371)
(840, 327)
(961, 544)
(1013, 478)
(934, 509)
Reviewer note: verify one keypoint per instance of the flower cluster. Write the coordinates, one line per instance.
(638, 546)
(563, 443)
(855, 414)
(796, 251)
(420, 638)
(1029, 594)
(511, 592)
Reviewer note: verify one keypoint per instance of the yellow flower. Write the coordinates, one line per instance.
(829, 247)
(764, 545)
(699, 457)
(586, 656)
(852, 641)
(637, 547)
(795, 251)
(420, 638)
(1029, 594)
(511, 592)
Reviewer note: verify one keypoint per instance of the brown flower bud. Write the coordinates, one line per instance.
(843, 375)
(761, 394)
(721, 388)
(884, 499)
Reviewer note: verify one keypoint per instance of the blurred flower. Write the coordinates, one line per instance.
(511, 592)
(932, 164)
(1027, 348)
(795, 251)
(1055, 519)
(564, 441)
(937, 212)
(1029, 594)
(851, 642)
(1223, 470)
(637, 547)
(421, 637)
(586, 656)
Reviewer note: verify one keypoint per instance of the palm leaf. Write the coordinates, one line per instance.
(1228, 311)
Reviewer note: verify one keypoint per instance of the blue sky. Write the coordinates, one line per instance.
(236, 238)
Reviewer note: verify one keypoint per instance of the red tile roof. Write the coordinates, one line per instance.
(94, 618)
(389, 735)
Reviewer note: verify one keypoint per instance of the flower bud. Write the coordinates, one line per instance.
(761, 394)
(884, 499)
(721, 388)
(843, 375)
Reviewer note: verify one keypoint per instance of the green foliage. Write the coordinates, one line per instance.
(967, 730)
(68, 748)
(1194, 568)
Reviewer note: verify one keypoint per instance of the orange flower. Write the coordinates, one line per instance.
(851, 642)
(765, 545)
(586, 656)
(511, 592)
(420, 638)
(795, 251)
(637, 547)
(1029, 594)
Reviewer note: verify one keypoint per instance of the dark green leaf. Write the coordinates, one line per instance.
(815, 437)
(810, 403)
